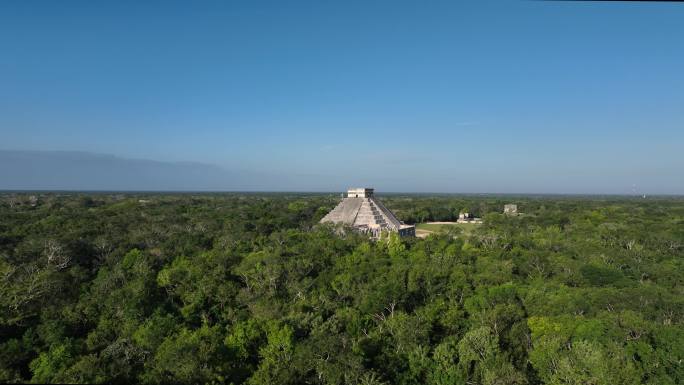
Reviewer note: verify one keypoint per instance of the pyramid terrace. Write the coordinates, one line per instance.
(361, 210)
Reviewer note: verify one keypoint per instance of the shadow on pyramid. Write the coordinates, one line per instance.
(361, 210)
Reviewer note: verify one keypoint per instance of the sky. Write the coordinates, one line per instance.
(509, 96)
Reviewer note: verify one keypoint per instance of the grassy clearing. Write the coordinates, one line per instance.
(443, 227)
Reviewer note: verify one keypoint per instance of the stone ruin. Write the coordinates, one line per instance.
(510, 209)
(362, 211)
(468, 218)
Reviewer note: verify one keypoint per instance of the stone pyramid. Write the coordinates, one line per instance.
(361, 210)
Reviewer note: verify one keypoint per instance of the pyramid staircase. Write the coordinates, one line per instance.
(370, 215)
(366, 214)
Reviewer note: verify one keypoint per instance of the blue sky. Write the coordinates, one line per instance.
(453, 96)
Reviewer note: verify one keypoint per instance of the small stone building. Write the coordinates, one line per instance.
(468, 218)
(361, 210)
(510, 209)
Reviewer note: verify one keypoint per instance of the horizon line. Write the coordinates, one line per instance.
(77, 191)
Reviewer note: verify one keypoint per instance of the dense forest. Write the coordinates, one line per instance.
(248, 288)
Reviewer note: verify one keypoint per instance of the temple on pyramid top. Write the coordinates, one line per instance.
(362, 211)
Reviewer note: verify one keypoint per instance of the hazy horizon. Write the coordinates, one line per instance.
(85, 171)
(467, 97)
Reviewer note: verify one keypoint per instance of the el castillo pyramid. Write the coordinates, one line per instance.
(362, 211)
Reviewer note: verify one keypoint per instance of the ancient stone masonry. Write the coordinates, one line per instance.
(468, 218)
(362, 211)
(511, 209)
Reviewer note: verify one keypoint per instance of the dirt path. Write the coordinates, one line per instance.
(420, 233)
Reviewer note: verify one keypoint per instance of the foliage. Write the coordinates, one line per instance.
(248, 288)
